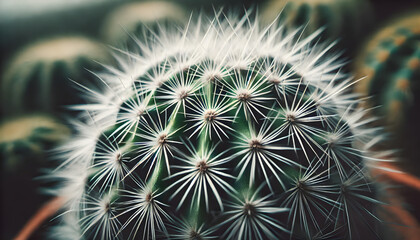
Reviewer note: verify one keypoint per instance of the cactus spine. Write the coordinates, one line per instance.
(222, 130)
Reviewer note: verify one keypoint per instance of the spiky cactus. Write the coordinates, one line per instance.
(221, 131)
(391, 63)
(345, 20)
(38, 77)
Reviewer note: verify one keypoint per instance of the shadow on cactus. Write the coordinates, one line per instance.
(222, 130)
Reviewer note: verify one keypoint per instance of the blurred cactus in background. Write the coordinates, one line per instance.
(391, 63)
(135, 18)
(344, 20)
(222, 130)
(25, 142)
(25, 139)
(38, 76)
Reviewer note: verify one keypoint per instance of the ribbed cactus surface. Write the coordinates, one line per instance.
(221, 130)
(391, 63)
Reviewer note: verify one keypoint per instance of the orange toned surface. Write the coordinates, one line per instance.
(399, 40)
(404, 223)
(47, 211)
(382, 56)
(414, 63)
(403, 84)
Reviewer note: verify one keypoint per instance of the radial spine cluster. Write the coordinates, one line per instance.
(220, 130)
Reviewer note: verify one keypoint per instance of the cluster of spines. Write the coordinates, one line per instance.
(223, 130)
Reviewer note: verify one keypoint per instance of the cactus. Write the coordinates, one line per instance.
(222, 130)
(37, 77)
(391, 63)
(25, 142)
(134, 18)
(345, 20)
(27, 138)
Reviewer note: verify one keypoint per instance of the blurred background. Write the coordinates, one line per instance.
(44, 43)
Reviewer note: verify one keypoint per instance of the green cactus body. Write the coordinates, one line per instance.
(391, 63)
(221, 131)
(38, 77)
(342, 19)
(133, 19)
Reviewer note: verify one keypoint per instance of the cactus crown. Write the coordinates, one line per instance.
(220, 130)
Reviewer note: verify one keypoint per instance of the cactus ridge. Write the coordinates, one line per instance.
(224, 130)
